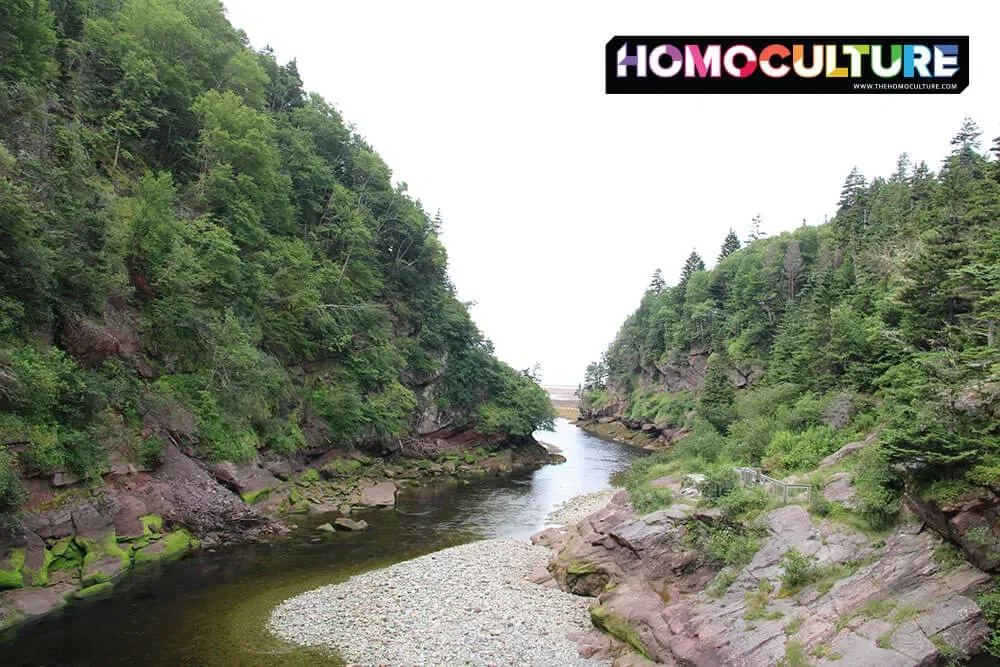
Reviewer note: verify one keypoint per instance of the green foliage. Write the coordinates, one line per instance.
(894, 303)
(878, 488)
(647, 498)
(192, 248)
(947, 554)
(732, 547)
(11, 494)
(796, 568)
(792, 452)
(989, 602)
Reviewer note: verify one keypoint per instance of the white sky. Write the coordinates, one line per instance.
(559, 201)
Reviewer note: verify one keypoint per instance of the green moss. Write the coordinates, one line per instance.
(883, 642)
(253, 497)
(66, 555)
(98, 550)
(757, 601)
(170, 547)
(581, 568)
(96, 590)
(10, 570)
(151, 524)
(613, 624)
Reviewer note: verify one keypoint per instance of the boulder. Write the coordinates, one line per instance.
(326, 528)
(841, 489)
(127, 522)
(244, 478)
(847, 450)
(382, 494)
(62, 478)
(350, 524)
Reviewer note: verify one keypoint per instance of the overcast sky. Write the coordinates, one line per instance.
(559, 201)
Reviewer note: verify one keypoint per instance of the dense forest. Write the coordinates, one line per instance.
(194, 249)
(884, 320)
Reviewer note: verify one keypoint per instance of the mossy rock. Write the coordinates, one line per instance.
(171, 546)
(152, 524)
(580, 568)
(310, 475)
(254, 497)
(40, 577)
(67, 554)
(10, 570)
(615, 625)
(103, 561)
(97, 590)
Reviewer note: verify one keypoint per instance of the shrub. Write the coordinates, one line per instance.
(796, 569)
(818, 504)
(648, 498)
(151, 450)
(743, 504)
(789, 452)
(989, 602)
(732, 547)
(878, 488)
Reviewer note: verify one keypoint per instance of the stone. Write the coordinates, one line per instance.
(62, 478)
(841, 489)
(127, 522)
(89, 522)
(280, 468)
(350, 524)
(244, 478)
(326, 528)
(382, 494)
(847, 450)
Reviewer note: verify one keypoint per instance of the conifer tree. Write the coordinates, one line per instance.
(730, 245)
(657, 284)
(718, 394)
(692, 264)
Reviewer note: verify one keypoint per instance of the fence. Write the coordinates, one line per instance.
(753, 476)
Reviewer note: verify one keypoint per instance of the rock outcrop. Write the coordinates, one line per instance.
(972, 521)
(868, 602)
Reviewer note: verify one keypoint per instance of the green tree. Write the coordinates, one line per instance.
(730, 245)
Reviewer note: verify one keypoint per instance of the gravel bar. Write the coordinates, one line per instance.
(579, 508)
(467, 605)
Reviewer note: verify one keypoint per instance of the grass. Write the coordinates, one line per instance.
(948, 555)
(795, 655)
(723, 580)
(757, 602)
(794, 625)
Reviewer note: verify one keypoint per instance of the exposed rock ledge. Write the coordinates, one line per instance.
(898, 607)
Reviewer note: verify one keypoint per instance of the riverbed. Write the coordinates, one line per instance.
(212, 607)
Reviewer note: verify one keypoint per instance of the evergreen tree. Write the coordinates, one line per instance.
(692, 264)
(657, 284)
(730, 245)
(718, 394)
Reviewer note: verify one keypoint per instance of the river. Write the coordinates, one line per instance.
(211, 607)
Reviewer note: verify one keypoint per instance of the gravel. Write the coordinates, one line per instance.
(579, 508)
(467, 605)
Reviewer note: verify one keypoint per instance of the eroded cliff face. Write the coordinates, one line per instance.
(971, 521)
(880, 601)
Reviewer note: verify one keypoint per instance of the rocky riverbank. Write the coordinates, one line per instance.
(467, 605)
(663, 590)
(81, 536)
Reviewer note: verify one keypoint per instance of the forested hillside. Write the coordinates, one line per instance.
(194, 250)
(883, 320)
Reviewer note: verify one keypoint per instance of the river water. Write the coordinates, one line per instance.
(210, 608)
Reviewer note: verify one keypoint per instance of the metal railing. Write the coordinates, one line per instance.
(754, 477)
